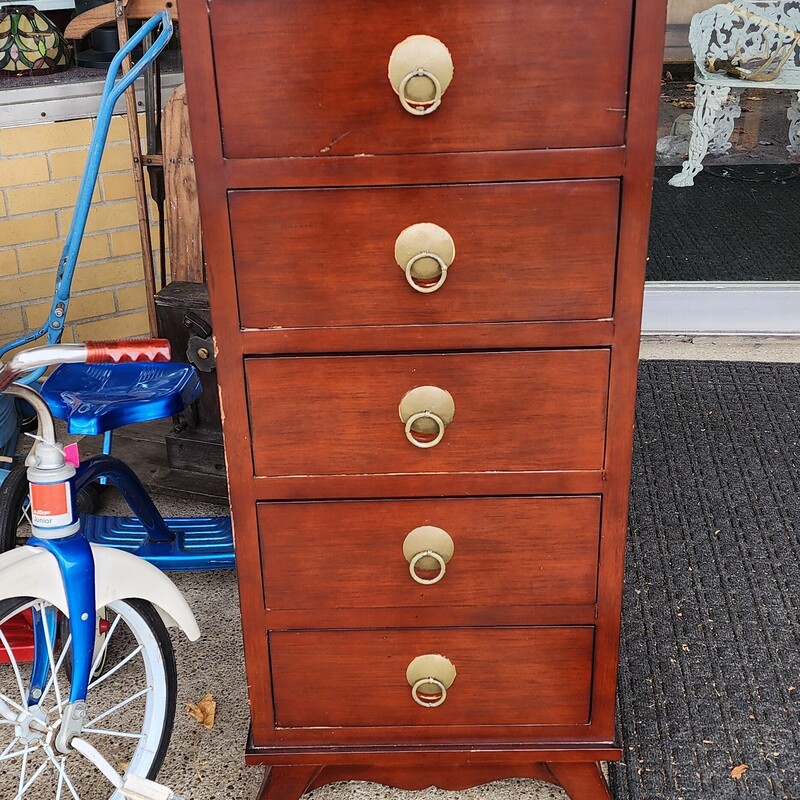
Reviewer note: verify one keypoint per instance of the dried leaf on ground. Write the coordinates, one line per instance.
(737, 772)
(683, 103)
(204, 710)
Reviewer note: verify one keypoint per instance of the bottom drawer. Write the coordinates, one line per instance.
(504, 676)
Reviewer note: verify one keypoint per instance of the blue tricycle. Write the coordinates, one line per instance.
(97, 398)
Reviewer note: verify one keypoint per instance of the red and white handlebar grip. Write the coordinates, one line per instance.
(134, 350)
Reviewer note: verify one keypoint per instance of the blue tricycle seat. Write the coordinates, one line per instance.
(95, 398)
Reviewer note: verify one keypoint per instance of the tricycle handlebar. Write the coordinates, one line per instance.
(89, 353)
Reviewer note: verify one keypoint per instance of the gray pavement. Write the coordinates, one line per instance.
(784, 349)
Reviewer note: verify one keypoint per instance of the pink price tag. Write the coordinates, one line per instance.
(72, 455)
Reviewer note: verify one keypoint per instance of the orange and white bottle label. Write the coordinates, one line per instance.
(51, 505)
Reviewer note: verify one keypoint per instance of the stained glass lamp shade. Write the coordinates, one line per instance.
(29, 43)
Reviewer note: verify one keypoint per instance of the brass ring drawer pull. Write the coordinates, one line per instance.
(419, 417)
(419, 697)
(420, 70)
(426, 411)
(430, 676)
(420, 109)
(428, 548)
(424, 252)
(418, 287)
(423, 554)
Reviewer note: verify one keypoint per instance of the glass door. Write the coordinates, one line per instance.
(722, 256)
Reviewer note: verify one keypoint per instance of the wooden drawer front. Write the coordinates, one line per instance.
(534, 410)
(287, 87)
(505, 676)
(323, 258)
(507, 551)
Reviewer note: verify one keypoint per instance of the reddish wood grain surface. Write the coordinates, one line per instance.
(430, 168)
(634, 226)
(422, 338)
(504, 755)
(585, 780)
(513, 411)
(310, 79)
(496, 166)
(414, 616)
(524, 251)
(508, 551)
(505, 676)
(427, 484)
(299, 90)
(287, 783)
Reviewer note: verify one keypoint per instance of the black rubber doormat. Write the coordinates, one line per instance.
(738, 224)
(709, 701)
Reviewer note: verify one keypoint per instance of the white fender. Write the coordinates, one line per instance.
(33, 572)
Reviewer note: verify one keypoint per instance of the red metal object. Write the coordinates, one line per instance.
(19, 634)
(134, 350)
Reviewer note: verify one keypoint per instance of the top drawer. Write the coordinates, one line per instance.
(556, 77)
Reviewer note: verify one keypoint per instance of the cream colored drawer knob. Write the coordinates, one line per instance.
(430, 676)
(425, 251)
(426, 411)
(426, 549)
(420, 70)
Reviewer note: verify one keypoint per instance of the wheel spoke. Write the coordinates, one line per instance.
(119, 734)
(8, 749)
(23, 518)
(116, 667)
(23, 772)
(104, 646)
(60, 787)
(62, 772)
(24, 752)
(32, 780)
(128, 719)
(13, 661)
(120, 705)
(9, 718)
(59, 664)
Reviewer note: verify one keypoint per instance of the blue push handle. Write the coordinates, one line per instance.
(112, 91)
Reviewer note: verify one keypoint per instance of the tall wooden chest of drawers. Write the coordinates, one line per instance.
(425, 227)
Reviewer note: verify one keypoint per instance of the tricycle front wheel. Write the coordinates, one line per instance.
(130, 705)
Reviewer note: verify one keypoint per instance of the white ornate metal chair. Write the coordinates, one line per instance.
(737, 46)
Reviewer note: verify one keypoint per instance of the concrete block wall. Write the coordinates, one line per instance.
(40, 170)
